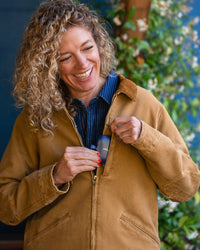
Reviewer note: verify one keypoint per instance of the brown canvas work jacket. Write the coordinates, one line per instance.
(116, 209)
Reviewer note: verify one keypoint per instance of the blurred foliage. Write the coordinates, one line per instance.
(166, 63)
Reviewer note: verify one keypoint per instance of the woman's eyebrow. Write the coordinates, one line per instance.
(89, 40)
(82, 45)
(64, 53)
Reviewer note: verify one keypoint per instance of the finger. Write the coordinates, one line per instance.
(77, 166)
(119, 121)
(127, 128)
(81, 150)
(81, 153)
(83, 168)
(124, 123)
(81, 157)
(128, 139)
(130, 136)
(124, 128)
(84, 163)
(125, 131)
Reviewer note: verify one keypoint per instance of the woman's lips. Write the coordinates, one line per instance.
(84, 75)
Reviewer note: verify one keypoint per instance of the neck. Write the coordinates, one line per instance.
(87, 96)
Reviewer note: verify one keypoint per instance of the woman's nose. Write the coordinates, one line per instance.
(81, 60)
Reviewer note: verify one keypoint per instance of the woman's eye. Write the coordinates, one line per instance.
(65, 59)
(89, 47)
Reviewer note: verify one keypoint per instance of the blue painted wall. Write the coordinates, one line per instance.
(14, 15)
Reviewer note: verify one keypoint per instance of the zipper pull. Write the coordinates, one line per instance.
(94, 180)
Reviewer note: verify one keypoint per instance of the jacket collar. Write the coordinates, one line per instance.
(127, 87)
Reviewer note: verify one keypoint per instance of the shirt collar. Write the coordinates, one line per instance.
(109, 87)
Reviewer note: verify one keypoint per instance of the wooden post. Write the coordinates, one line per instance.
(142, 8)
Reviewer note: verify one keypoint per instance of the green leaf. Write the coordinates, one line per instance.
(131, 13)
(129, 25)
(182, 221)
(143, 45)
(197, 198)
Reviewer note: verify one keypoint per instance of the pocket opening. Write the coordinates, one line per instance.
(138, 228)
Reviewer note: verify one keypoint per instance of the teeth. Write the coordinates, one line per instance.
(84, 75)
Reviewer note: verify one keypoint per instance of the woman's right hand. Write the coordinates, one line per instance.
(74, 161)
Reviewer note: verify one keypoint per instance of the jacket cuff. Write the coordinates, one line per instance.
(48, 189)
(148, 140)
(64, 188)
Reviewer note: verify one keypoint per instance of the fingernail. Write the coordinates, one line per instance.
(98, 153)
(100, 160)
(95, 167)
(99, 164)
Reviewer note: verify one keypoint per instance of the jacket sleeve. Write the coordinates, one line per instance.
(167, 158)
(24, 188)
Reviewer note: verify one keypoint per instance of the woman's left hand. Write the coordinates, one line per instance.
(127, 128)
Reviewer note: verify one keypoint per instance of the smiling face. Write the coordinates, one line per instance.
(79, 64)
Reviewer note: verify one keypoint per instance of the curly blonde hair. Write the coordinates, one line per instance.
(37, 82)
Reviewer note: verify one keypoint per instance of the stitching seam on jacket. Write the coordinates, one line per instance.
(125, 219)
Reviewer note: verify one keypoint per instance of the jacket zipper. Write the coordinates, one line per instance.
(94, 179)
(93, 210)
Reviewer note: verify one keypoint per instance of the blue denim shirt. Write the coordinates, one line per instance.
(90, 122)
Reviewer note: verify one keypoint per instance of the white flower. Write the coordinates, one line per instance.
(169, 50)
(178, 40)
(195, 36)
(136, 52)
(165, 59)
(117, 20)
(198, 127)
(162, 6)
(117, 39)
(181, 89)
(172, 206)
(196, 20)
(190, 138)
(142, 25)
(185, 30)
(194, 62)
(172, 97)
(170, 79)
(189, 247)
(152, 84)
(180, 15)
(150, 81)
(124, 36)
(162, 203)
(174, 73)
(193, 235)
(163, 13)
(120, 71)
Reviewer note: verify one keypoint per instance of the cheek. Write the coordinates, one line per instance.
(62, 69)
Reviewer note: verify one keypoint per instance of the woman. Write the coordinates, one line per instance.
(48, 173)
